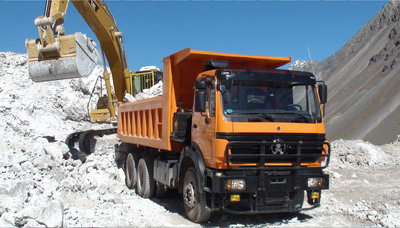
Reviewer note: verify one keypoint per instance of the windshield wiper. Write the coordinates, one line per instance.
(262, 115)
(266, 117)
(307, 120)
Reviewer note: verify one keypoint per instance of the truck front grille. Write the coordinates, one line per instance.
(273, 149)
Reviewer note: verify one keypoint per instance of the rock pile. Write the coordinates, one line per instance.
(38, 187)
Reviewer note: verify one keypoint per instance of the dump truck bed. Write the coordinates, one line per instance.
(149, 122)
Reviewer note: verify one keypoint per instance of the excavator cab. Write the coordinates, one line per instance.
(69, 56)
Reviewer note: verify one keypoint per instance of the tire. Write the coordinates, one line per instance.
(161, 191)
(145, 181)
(194, 200)
(130, 172)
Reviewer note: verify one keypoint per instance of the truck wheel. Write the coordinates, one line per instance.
(145, 180)
(130, 172)
(194, 200)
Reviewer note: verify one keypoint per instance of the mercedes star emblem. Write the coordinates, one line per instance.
(278, 147)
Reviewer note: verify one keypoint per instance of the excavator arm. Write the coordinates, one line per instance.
(56, 56)
(98, 17)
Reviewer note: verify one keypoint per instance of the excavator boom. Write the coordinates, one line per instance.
(98, 17)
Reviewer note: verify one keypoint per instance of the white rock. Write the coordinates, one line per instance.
(33, 223)
(9, 218)
(4, 223)
(15, 188)
(3, 146)
(31, 212)
(2, 209)
(77, 163)
(52, 215)
(9, 158)
(121, 176)
(55, 151)
(44, 163)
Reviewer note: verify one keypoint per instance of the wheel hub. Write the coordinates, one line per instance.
(188, 195)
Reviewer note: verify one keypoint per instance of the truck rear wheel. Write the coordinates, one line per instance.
(194, 200)
(130, 172)
(145, 181)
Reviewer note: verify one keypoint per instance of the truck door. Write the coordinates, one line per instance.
(203, 122)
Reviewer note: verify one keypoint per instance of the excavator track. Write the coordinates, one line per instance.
(86, 142)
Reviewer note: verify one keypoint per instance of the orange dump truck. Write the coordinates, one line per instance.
(231, 132)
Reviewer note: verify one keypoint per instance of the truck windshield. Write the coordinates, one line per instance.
(270, 101)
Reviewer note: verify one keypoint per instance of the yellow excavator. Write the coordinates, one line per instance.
(56, 56)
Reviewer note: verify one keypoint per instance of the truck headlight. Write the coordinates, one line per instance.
(235, 184)
(315, 182)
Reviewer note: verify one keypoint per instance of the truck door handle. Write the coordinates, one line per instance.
(194, 125)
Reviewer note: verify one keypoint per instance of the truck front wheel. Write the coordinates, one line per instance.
(194, 199)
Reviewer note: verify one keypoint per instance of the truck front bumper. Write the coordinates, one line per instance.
(264, 191)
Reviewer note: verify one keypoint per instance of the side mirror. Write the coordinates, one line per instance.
(200, 100)
(323, 93)
(200, 84)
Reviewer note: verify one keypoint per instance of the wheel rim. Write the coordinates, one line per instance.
(189, 196)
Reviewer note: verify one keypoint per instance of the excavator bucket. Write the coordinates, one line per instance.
(72, 56)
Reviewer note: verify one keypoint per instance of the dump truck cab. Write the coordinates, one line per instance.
(261, 134)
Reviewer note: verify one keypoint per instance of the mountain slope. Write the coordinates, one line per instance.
(363, 79)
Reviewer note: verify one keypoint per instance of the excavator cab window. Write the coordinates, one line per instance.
(142, 80)
(102, 103)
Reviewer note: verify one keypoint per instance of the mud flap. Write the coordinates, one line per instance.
(76, 57)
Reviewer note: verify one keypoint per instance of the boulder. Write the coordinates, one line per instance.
(15, 188)
(52, 215)
(44, 163)
(4, 223)
(33, 223)
(2, 209)
(8, 219)
(55, 151)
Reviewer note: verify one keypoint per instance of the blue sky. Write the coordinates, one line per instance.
(155, 29)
